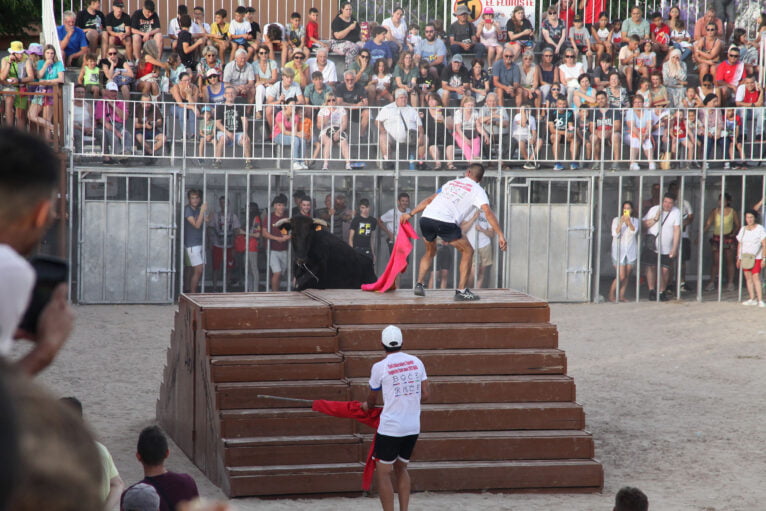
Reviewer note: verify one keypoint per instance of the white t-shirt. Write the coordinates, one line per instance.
(329, 73)
(391, 218)
(668, 220)
(455, 201)
(624, 244)
(523, 132)
(686, 212)
(397, 33)
(391, 116)
(751, 240)
(237, 28)
(18, 279)
(399, 376)
(478, 239)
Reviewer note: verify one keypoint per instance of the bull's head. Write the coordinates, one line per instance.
(302, 229)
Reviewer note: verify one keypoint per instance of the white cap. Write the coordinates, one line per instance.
(391, 337)
(111, 86)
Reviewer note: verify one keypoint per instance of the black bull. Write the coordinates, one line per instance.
(322, 260)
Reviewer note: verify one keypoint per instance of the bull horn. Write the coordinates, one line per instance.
(320, 222)
(282, 222)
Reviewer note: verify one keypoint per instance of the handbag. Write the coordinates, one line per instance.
(651, 239)
(747, 261)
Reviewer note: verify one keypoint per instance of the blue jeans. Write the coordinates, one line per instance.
(479, 49)
(182, 115)
(295, 142)
(685, 52)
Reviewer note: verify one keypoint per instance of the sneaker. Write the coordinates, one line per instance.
(652, 165)
(249, 164)
(297, 166)
(685, 287)
(652, 295)
(727, 165)
(529, 166)
(634, 166)
(348, 166)
(750, 302)
(762, 304)
(710, 286)
(465, 296)
(574, 166)
(664, 296)
(419, 290)
(216, 164)
(558, 166)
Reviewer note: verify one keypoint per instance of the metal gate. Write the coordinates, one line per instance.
(542, 213)
(126, 237)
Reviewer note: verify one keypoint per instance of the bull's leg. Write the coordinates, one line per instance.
(426, 260)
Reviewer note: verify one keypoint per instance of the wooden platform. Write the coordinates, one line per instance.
(502, 415)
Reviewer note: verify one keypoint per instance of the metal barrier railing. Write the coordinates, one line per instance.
(350, 136)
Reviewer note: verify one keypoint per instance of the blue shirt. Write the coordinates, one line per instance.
(77, 42)
(53, 71)
(378, 51)
(507, 76)
(430, 50)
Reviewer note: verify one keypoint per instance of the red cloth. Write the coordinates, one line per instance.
(353, 410)
(398, 262)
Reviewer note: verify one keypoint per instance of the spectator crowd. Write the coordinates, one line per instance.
(646, 90)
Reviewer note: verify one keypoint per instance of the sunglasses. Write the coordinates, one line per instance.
(734, 55)
(364, 56)
(299, 57)
(555, 90)
(569, 56)
(263, 53)
(507, 56)
(112, 53)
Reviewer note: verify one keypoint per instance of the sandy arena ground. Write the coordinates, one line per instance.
(673, 394)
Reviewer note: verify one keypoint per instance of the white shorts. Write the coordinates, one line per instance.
(635, 143)
(278, 261)
(195, 256)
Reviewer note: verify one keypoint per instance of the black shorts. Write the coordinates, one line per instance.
(649, 258)
(431, 228)
(390, 448)
(686, 246)
(364, 251)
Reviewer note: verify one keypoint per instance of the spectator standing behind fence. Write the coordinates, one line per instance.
(195, 216)
(730, 226)
(277, 244)
(92, 21)
(750, 253)
(389, 221)
(117, 26)
(664, 223)
(112, 115)
(145, 26)
(360, 232)
(624, 249)
(72, 39)
(253, 247)
(332, 122)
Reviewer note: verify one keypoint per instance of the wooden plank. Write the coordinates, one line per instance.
(468, 362)
(271, 342)
(298, 422)
(261, 311)
(461, 336)
(488, 389)
(402, 307)
(293, 450)
(242, 395)
(296, 480)
(249, 368)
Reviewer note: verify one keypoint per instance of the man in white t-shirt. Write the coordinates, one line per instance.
(664, 222)
(389, 221)
(26, 211)
(443, 213)
(479, 234)
(402, 379)
(687, 217)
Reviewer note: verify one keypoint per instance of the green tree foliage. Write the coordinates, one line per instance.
(18, 15)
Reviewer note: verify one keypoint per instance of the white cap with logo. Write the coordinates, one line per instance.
(391, 337)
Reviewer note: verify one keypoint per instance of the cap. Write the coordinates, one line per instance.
(578, 18)
(391, 337)
(205, 109)
(457, 58)
(111, 86)
(489, 10)
(462, 10)
(16, 47)
(400, 92)
(141, 497)
(212, 72)
(35, 49)
(118, 3)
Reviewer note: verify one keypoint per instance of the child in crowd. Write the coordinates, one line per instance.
(644, 91)
(239, 33)
(382, 81)
(90, 75)
(580, 40)
(553, 95)
(295, 38)
(273, 38)
(680, 137)
(219, 32)
(206, 130)
(681, 39)
(616, 34)
(175, 68)
(601, 37)
(524, 133)
(646, 62)
(413, 38)
(561, 127)
(691, 100)
(312, 31)
(426, 82)
(361, 231)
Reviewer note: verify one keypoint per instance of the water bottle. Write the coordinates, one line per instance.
(412, 161)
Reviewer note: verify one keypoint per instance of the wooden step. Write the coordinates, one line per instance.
(261, 311)
(271, 342)
(293, 450)
(448, 417)
(255, 368)
(401, 307)
(242, 395)
(467, 362)
(500, 445)
(488, 389)
(455, 337)
(519, 475)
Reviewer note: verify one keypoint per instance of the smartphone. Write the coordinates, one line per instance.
(625, 212)
(49, 272)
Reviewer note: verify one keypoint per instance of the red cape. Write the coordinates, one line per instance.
(398, 262)
(353, 410)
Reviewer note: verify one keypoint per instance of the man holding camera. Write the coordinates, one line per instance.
(26, 212)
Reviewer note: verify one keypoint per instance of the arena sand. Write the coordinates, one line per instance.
(673, 394)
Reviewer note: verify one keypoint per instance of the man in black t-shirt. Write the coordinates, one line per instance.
(605, 128)
(145, 25)
(92, 21)
(231, 125)
(187, 46)
(361, 229)
(462, 35)
(455, 81)
(117, 28)
(354, 95)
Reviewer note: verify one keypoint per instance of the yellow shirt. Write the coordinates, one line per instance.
(216, 30)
